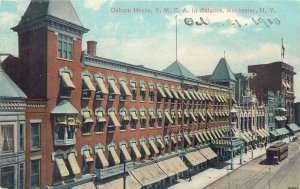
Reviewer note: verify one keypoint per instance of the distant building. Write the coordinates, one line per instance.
(275, 76)
(12, 133)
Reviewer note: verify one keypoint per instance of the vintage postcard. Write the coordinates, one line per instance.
(149, 94)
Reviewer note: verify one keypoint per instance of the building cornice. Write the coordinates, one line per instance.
(104, 63)
(51, 23)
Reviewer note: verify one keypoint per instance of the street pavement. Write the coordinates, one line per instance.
(252, 171)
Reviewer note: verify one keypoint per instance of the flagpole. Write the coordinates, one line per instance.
(176, 37)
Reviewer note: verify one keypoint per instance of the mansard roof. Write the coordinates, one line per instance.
(222, 73)
(59, 9)
(9, 89)
(178, 69)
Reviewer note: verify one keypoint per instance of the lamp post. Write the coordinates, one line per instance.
(233, 113)
(124, 175)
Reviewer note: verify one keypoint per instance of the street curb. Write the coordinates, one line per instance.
(234, 170)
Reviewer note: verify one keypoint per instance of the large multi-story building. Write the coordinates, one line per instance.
(12, 133)
(276, 76)
(89, 116)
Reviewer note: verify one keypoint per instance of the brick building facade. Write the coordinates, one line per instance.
(276, 76)
(87, 115)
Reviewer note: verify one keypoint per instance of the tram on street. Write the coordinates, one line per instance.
(277, 152)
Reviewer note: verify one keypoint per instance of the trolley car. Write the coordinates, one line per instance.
(277, 152)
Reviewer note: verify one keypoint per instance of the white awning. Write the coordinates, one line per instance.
(88, 82)
(67, 80)
(113, 85)
(125, 88)
(101, 85)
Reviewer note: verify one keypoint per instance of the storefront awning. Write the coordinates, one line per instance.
(195, 158)
(208, 153)
(149, 174)
(294, 127)
(172, 166)
(274, 133)
(88, 185)
(117, 183)
(282, 131)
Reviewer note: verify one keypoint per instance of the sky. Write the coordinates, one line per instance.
(249, 32)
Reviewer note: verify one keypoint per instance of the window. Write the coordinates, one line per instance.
(113, 121)
(35, 135)
(124, 119)
(143, 92)
(133, 90)
(22, 137)
(100, 120)
(88, 121)
(65, 47)
(22, 176)
(133, 119)
(7, 139)
(35, 173)
(101, 89)
(151, 92)
(152, 118)
(161, 94)
(66, 84)
(65, 127)
(113, 89)
(7, 177)
(159, 118)
(143, 118)
(87, 85)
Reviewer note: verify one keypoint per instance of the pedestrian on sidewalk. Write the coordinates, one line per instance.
(190, 174)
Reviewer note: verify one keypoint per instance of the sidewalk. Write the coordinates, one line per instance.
(212, 174)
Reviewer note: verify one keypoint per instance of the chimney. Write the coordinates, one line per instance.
(92, 48)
